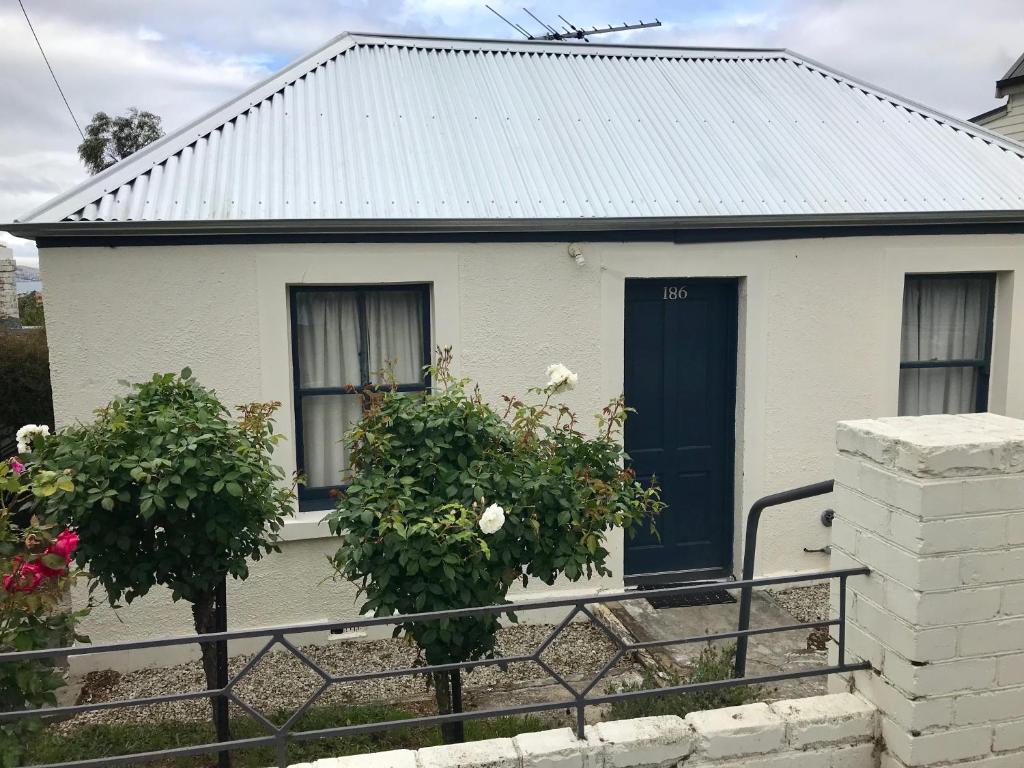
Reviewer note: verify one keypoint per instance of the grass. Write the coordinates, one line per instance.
(713, 663)
(95, 741)
(98, 741)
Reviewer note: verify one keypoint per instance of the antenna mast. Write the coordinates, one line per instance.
(570, 30)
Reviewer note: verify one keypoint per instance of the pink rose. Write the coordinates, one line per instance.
(26, 576)
(16, 466)
(65, 545)
(31, 575)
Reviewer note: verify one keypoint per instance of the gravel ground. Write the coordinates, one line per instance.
(804, 603)
(280, 681)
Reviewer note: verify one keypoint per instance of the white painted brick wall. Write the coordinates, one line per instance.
(836, 731)
(934, 505)
(753, 729)
(8, 285)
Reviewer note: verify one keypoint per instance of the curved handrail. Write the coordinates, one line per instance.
(750, 550)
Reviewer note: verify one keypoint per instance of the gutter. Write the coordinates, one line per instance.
(101, 230)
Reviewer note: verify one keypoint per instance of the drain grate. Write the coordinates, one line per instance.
(687, 599)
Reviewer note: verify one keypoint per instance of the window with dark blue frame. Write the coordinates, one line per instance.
(344, 339)
(946, 349)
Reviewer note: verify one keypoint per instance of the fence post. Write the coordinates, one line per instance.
(934, 506)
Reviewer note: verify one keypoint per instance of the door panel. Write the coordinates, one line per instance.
(680, 376)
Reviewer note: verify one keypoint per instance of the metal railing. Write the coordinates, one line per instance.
(577, 698)
(750, 553)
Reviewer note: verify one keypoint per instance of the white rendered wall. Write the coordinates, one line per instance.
(819, 341)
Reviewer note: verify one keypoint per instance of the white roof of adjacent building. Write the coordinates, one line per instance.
(379, 130)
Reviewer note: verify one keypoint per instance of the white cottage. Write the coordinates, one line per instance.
(748, 243)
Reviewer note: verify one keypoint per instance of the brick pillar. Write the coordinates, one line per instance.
(8, 286)
(934, 506)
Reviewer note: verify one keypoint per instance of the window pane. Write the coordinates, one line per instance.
(328, 338)
(945, 318)
(394, 321)
(938, 390)
(325, 420)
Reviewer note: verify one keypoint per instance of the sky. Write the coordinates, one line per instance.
(180, 58)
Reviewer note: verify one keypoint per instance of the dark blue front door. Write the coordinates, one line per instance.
(680, 376)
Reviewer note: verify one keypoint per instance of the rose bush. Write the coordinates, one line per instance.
(171, 489)
(452, 503)
(35, 563)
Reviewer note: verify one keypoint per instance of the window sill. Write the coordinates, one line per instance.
(306, 525)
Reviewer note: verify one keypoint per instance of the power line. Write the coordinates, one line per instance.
(52, 73)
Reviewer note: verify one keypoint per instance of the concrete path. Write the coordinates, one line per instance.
(767, 654)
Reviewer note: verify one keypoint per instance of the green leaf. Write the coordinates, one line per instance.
(233, 488)
(186, 373)
(107, 503)
(53, 562)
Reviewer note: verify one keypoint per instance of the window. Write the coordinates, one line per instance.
(947, 343)
(342, 338)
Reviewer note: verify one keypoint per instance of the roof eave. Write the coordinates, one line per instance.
(112, 229)
(995, 112)
(1003, 87)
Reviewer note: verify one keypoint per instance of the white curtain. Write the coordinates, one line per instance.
(325, 420)
(329, 338)
(943, 319)
(394, 323)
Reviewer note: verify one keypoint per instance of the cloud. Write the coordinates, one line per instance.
(102, 66)
(180, 59)
(147, 35)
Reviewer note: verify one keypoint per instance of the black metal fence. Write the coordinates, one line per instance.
(576, 698)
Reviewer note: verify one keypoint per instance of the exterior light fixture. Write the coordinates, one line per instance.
(576, 253)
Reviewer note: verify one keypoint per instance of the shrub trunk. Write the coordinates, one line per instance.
(448, 693)
(204, 615)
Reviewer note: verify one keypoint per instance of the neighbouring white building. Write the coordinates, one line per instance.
(1008, 118)
(748, 243)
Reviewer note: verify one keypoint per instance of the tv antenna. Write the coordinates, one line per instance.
(569, 30)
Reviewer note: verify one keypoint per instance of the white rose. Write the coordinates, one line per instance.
(27, 432)
(561, 378)
(492, 519)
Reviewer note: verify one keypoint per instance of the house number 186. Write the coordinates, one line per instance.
(673, 292)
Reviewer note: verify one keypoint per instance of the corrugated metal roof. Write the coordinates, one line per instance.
(392, 128)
